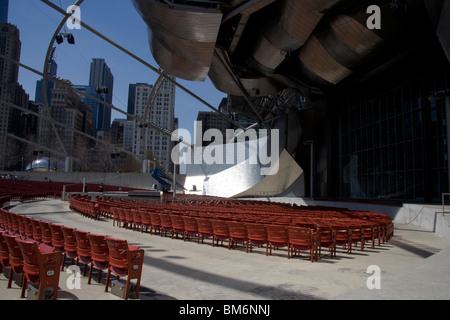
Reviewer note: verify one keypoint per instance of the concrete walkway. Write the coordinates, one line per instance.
(415, 264)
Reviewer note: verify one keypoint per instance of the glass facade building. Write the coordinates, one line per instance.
(388, 138)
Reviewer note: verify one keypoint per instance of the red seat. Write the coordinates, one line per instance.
(256, 234)
(125, 260)
(177, 225)
(343, 237)
(303, 239)
(221, 231)
(4, 252)
(37, 231)
(128, 218)
(69, 245)
(369, 233)
(166, 224)
(156, 222)
(190, 227)
(99, 255)
(46, 236)
(327, 239)
(28, 227)
(145, 220)
(122, 217)
(204, 229)
(15, 260)
(115, 215)
(238, 232)
(57, 237)
(357, 236)
(41, 266)
(83, 248)
(276, 238)
(137, 221)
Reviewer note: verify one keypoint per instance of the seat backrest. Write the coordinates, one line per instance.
(256, 231)
(190, 223)
(122, 214)
(276, 233)
(155, 219)
(342, 233)
(220, 227)
(116, 249)
(99, 247)
(70, 241)
(177, 221)
(237, 229)
(136, 216)
(83, 243)
(165, 220)
(4, 252)
(13, 247)
(145, 217)
(299, 234)
(37, 231)
(30, 254)
(57, 235)
(204, 225)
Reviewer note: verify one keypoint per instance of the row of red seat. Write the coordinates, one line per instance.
(38, 249)
(27, 190)
(179, 219)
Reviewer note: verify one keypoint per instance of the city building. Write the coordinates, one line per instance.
(14, 101)
(39, 94)
(149, 143)
(67, 108)
(102, 79)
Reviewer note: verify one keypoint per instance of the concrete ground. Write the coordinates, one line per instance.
(415, 264)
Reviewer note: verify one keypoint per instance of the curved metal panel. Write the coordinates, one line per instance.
(176, 65)
(288, 32)
(299, 18)
(316, 58)
(195, 61)
(268, 55)
(182, 37)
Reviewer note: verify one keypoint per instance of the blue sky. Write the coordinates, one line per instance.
(117, 20)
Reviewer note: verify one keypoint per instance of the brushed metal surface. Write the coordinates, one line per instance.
(182, 38)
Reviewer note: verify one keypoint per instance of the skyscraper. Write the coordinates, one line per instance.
(51, 72)
(162, 115)
(102, 79)
(4, 10)
(11, 94)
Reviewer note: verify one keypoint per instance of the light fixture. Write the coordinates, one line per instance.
(60, 38)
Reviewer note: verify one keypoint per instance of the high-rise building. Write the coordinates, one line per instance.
(154, 143)
(97, 116)
(11, 92)
(102, 79)
(4, 10)
(67, 108)
(51, 72)
(132, 97)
